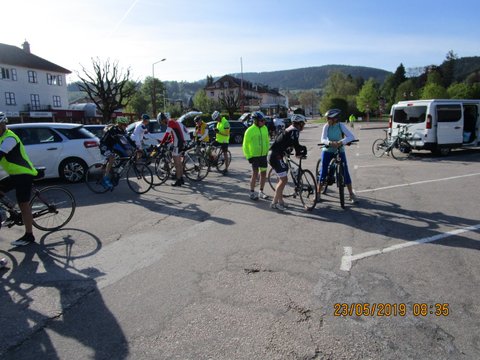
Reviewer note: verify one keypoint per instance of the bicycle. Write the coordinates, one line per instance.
(196, 163)
(398, 146)
(138, 175)
(52, 208)
(336, 173)
(301, 183)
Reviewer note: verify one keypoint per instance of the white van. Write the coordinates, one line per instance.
(438, 125)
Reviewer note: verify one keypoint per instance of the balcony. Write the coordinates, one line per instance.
(30, 107)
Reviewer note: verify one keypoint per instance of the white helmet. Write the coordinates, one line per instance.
(3, 118)
(332, 113)
(297, 118)
(215, 115)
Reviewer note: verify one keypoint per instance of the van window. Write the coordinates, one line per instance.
(410, 114)
(449, 113)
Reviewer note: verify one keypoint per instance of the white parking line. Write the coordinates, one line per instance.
(348, 258)
(417, 183)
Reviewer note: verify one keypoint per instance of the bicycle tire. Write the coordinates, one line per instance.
(401, 150)
(194, 166)
(307, 190)
(318, 167)
(289, 189)
(139, 178)
(52, 208)
(221, 160)
(94, 177)
(162, 170)
(341, 184)
(379, 147)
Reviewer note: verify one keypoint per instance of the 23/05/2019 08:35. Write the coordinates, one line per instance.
(391, 309)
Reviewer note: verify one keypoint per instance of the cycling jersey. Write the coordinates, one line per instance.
(174, 134)
(286, 141)
(336, 132)
(201, 132)
(223, 134)
(116, 140)
(14, 158)
(139, 133)
(255, 141)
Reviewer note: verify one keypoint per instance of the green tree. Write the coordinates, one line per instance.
(368, 97)
(335, 103)
(448, 68)
(309, 100)
(108, 86)
(406, 91)
(203, 103)
(433, 91)
(460, 91)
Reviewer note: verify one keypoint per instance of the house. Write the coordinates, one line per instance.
(250, 96)
(32, 88)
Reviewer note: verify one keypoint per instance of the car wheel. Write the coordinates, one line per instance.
(238, 138)
(73, 170)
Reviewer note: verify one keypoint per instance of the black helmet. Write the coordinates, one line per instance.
(333, 113)
(257, 115)
(197, 118)
(298, 118)
(161, 116)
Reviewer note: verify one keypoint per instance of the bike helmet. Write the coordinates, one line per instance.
(297, 118)
(215, 115)
(333, 113)
(197, 119)
(145, 117)
(257, 115)
(161, 116)
(3, 118)
(122, 120)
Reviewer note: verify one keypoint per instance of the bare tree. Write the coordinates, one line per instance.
(230, 103)
(107, 86)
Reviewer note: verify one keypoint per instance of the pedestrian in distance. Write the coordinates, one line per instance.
(351, 120)
(222, 136)
(255, 148)
(16, 163)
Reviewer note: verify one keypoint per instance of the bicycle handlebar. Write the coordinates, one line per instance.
(347, 144)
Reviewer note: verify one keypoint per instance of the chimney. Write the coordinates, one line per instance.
(26, 47)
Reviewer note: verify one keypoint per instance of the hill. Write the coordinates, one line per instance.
(311, 77)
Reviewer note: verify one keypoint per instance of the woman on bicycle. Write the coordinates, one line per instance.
(280, 147)
(335, 135)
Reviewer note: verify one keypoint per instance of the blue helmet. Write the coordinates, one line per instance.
(145, 117)
(257, 115)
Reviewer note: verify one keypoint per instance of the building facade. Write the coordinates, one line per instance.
(250, 96)
(32, 88)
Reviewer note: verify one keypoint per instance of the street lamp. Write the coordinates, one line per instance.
(154, 105)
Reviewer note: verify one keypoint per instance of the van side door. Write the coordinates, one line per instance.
(449, 124)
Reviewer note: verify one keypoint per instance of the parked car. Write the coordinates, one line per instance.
(96, 130)
(237, 130)
(246, 118)
(65, 150)
(155, 132)
(188, 121)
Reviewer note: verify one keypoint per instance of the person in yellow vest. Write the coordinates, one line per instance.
(255, 148)
(14, 160)
(222, 136)
(201, 130)
(351, 120)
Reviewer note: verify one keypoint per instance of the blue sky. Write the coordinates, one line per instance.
(200, 38)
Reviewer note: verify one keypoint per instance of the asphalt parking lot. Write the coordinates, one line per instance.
(204, 272)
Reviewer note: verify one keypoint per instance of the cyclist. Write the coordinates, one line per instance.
(20, 170)
(139, 133)
(174, 134)
(282, 145)
(335, 135)
(255, 148)
(115, 140)
(201, 130)
(222, 136)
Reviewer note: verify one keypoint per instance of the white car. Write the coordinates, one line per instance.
(65, 150)
(154, 135)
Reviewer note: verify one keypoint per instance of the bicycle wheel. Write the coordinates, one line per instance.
(52, 208)
(318, 167)
(162, 170)
(379, 147)
(94, 177)
(289, 189)
(139, 178)
(341, 184)
(194, 166)
(401, 150)
(221, 165)
(307, 190)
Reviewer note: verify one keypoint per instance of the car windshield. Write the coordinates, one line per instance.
(76, 133)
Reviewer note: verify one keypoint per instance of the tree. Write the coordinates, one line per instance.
(203, 103)
(107, 86)
(229, 102)
(448, 68)
(406, 91)
(433, 91)
(460, 91)
(335, 103)
(368, 97)
(309, 100)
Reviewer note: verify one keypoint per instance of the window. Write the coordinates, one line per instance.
(449, 113)
(32, 76)
(410, 114)
(50, 79)
(59, 80)
(57, 101)
(10, 98)
(5, 73)
(14, 74)
(35, 101)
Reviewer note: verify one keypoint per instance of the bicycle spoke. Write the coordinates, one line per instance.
(52, 208)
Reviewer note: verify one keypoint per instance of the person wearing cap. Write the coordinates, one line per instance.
(115, 141)
(201, 131)
(139, 133)
(14, 160)
(334, 135)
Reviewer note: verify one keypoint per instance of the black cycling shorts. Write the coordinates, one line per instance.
(259, 162)
(277, 163)
(22, 185)
(223, 146)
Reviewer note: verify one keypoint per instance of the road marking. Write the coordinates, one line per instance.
(417, 183)
(348, 258)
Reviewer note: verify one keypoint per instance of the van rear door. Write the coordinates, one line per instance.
(449, 123)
